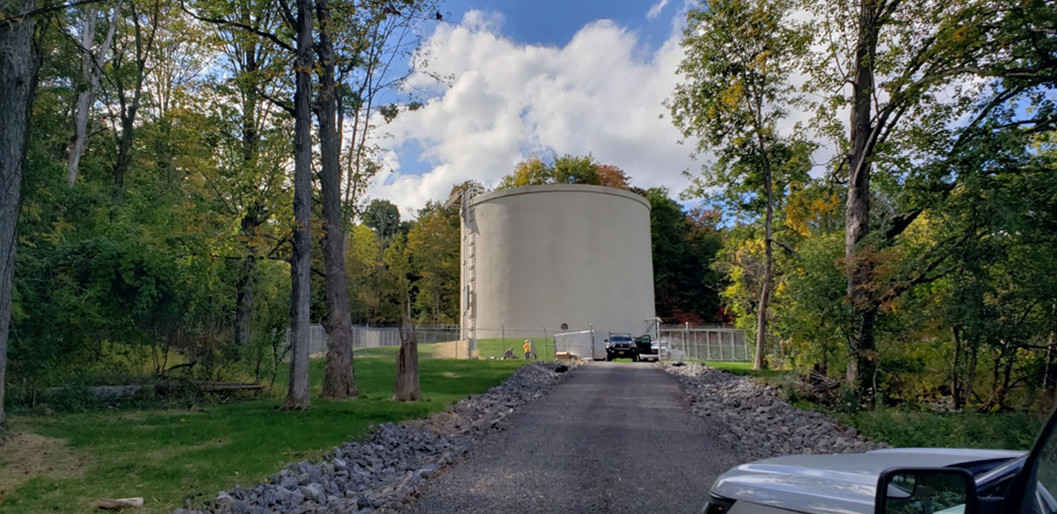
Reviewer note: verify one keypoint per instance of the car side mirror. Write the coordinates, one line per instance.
(926, 491)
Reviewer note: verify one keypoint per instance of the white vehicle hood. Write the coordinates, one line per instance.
(833, 484)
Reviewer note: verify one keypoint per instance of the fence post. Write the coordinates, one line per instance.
(686, 339)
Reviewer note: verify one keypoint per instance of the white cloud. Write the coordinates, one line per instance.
(655, 9)
(599, 94)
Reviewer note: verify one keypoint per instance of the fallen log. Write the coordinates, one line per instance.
(112, 392)
(119, 503)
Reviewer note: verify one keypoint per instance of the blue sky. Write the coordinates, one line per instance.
(537, 79)
(554, 22)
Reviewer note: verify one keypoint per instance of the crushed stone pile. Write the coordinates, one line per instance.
(382, 471)
(762, 424)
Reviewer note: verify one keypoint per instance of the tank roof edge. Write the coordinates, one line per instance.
(559, 188)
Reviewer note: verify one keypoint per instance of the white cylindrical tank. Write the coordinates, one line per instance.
(538, 258)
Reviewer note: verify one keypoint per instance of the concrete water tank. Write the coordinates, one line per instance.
(537, 259)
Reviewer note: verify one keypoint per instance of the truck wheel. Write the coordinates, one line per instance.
(634, 358)
(609, 357)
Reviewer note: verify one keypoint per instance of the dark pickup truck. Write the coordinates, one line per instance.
(620, 345)
(640, 348)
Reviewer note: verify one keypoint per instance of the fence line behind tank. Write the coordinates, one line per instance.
(705, 343)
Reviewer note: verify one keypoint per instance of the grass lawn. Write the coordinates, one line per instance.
(165, 454)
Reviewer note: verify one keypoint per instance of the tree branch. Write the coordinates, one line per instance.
(44, 10)
(254, 30)
(900, 223)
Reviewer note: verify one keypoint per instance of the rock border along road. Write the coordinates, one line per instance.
(614, 437)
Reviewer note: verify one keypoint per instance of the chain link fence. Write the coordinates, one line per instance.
(444, 342)
(708, 343)
(713, 343)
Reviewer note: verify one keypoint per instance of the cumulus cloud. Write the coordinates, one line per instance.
(655, 9)
(600, 94)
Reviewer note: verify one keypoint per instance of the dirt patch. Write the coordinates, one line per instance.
(24, 456)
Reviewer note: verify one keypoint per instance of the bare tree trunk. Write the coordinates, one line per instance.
(1007, 372)
(406, 388)
(129, 107)
(862, 358)
(970, 379)
(996, 376)
(90, 70)
(339, 381)
(301, 263)
(957, 395)
(19, 62)
(768, 268)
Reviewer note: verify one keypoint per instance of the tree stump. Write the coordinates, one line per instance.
(406, 388)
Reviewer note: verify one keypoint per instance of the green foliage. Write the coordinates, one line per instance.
(813, 313)
(383, 217)
(958, 246)
(683, 247)
(433, 244)
(923, 429)
(567, 169)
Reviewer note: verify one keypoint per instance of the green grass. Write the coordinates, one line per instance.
(771, 376)
(966, 429)
(486, 348)
(165, 454)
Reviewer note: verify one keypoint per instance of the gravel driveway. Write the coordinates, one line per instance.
(614, 437)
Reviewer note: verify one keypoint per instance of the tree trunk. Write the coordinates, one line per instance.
(84, 97)
(996, 376)
(128, 108)
(339, 380)
(862, 358)
(90, 70)
(406, 388)
(301, 263)
(19, 62)
(255, 214)
(970, 379)
(768, 268)
(957, 397)
(244, 301)
(1007, 373)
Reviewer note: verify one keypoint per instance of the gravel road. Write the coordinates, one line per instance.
(614, 437)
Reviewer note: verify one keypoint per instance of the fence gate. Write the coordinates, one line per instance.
(708, 343)
(581, 343)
